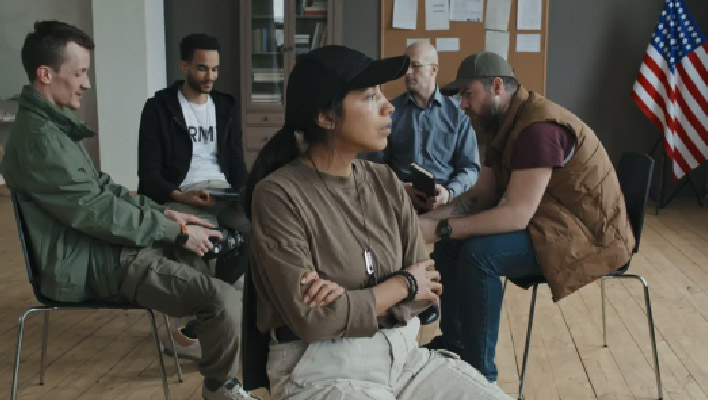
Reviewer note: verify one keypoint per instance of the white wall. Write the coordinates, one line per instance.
(17, 18)
(130, 67)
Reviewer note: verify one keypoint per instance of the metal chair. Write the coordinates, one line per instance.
(634, 174)
(49, 305)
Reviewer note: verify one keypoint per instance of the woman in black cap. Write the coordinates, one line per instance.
(315, 207)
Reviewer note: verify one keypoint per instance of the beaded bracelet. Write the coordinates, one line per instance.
(411, 281)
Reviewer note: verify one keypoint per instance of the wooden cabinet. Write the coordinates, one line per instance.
(274, 33)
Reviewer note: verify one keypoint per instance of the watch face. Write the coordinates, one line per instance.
(181, 239)
(444, 229)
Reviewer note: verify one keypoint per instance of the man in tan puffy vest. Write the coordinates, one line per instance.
(562, 213)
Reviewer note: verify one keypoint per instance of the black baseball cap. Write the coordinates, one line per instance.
(326, 74)
(477, 66)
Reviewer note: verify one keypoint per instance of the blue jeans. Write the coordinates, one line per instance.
(472, 295)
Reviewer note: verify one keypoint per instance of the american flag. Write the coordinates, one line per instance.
(671, 87)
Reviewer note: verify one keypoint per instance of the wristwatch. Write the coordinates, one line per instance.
(444, 230)
(182, 238)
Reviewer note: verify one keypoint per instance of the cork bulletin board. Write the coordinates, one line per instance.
(530, 68)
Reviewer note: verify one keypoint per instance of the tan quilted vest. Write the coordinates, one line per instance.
(580, 230)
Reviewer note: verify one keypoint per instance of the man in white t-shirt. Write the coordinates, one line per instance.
(190, 146)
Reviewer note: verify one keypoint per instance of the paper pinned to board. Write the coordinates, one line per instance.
(437, 15)
(447, 44)
(410, 41)
(466, 10)
(497, 42)
(528, 43)
(498, 12)
(528, 15)
(405, 14)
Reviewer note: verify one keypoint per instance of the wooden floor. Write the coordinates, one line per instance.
(111, 355)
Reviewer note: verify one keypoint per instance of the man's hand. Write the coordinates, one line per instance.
(429, 286)
(194, 197)
(186, 219)
(198, 241)
(442, 197)
(322, 292)
(417, 197)
(429, 228)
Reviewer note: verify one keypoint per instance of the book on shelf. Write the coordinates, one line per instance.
(302, 38)
(271, 76)
(266, 97)
(272, 68)
(315, 7)
(319, 36)
(265, 40)
(315, 12)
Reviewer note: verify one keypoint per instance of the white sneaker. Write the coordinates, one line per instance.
(231, 390)
(190, 352)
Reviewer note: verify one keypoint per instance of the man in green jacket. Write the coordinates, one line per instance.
(92, 238)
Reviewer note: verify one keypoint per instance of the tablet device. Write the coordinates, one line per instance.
(423, 180)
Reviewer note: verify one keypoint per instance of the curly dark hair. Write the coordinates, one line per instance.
(196, 41)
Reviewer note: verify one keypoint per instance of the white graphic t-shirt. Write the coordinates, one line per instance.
(201, 123)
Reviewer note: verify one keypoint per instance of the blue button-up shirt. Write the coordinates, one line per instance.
(439, 137)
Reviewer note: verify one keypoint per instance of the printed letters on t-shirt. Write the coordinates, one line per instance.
(199, 134)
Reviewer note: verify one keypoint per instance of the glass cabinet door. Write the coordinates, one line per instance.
(268, 46)
(311, 18)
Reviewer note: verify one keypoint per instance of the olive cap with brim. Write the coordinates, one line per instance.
(325, 75)
(477, 66)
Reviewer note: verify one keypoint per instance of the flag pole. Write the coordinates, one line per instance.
(660, 199)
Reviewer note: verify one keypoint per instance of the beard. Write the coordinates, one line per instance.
(196, 85)
(488, 122)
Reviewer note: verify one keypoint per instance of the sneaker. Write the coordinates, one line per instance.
(192, 351)
(231, 390)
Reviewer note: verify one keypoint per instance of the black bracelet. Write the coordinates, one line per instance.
(410, 281)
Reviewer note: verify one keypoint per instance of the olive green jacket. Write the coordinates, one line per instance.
(78, 219)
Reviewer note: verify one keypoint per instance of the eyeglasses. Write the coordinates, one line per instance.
(417, 66)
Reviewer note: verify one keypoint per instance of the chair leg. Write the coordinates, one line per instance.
(18, 350)
(174, 349)
(45, 338)
(528, 342)
(652, 335)
(604, 315)
(652, 332)
(165, 387)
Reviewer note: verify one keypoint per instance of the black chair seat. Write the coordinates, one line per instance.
(528, 282)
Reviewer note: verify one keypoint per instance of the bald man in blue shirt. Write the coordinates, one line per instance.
(431, 130)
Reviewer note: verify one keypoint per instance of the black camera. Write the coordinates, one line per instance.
(230, 240)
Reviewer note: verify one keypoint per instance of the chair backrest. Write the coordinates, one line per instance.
(22, 231)
(634, 174)
(254, 344)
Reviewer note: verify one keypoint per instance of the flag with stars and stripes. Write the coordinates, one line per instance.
(672, 87)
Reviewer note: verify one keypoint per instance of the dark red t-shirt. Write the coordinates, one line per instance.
(542, 145)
